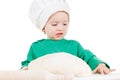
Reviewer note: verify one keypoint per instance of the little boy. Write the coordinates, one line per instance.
(52, 17)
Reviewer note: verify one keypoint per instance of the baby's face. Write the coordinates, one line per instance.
(57, 26)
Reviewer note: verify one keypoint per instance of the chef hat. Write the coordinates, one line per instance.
(41, 10)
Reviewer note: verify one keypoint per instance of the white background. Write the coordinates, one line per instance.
(94, 23)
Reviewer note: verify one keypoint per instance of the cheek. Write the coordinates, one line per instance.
(66, 28)
(49, 31)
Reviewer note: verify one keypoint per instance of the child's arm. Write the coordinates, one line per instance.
(96, 64)
(29, 58)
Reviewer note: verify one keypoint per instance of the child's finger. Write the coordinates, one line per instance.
(94, 71)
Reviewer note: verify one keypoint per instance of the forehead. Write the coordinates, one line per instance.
(60, 15)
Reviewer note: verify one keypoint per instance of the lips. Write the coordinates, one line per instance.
(59, 34)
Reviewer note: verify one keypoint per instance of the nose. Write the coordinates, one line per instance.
(60, 27)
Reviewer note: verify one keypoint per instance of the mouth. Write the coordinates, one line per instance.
(59, 34)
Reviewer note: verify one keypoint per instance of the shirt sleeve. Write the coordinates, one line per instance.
(30, 57)
(89, 57)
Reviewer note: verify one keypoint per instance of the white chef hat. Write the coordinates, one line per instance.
(41, 10)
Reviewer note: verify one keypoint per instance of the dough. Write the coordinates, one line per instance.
(61, 63)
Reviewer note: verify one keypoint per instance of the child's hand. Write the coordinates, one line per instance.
(102, 69)
(24, 68)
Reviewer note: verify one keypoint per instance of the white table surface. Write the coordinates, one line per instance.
(112, 76)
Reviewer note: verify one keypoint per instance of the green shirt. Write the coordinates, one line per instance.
(48, 46)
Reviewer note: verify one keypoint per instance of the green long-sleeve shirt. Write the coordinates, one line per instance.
(48, 46)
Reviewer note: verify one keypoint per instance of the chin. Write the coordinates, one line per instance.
(58, 38)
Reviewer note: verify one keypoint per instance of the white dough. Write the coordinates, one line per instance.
(61, 63)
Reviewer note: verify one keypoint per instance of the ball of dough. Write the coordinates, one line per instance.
(61, 63)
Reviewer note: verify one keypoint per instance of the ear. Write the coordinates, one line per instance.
(43, 30)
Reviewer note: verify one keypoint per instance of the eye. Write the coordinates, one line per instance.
(65, 24)
(54, 24)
